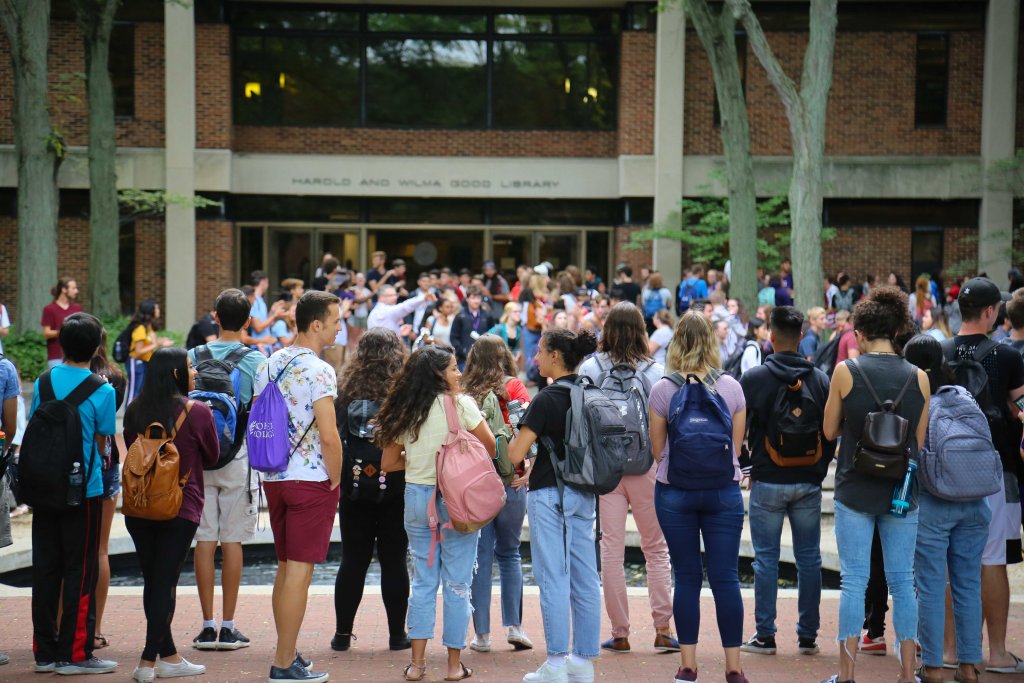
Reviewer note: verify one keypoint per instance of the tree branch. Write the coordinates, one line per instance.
(783, 84)
(816, 80)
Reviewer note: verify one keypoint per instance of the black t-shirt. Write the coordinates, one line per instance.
(1005, 369)
(629, 291)
(546, 417)
(203, 329)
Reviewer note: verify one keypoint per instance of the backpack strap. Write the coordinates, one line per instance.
(83, 391)
(451, 414)
(982, 350)
(238, 353)
(286, 365)
(676, 379)
(46, 388)
(871, 387)
(201, 353)
(906, 385)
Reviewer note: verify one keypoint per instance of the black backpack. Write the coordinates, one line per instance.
(52, 444)
(361, 478)
(123, 345)
(827, 354)
(971, 375)
(195, 337)
(792, 434)
(218, 385)
(734, 363)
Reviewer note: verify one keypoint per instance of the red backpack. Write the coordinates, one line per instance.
(467, 480)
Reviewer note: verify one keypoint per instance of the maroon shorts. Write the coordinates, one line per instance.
(301, 518)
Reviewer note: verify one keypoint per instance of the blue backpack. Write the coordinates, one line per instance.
(218, 385)
(687, 295)
(699, 435)
(653, 304)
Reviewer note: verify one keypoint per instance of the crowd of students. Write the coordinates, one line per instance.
(710, 401)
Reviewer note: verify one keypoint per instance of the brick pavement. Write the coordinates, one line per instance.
(369, 660)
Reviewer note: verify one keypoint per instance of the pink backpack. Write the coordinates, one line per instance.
(466, 478)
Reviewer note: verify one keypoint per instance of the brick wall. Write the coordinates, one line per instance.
(213, 86)
(871, 106)
(634, 257)
(215, 258)
(636, 93)
(149, 259)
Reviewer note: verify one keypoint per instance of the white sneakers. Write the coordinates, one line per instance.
(568, 673)
(518, 639)
(144, 674)
(481, 644)
(182, 668)
(580, 673)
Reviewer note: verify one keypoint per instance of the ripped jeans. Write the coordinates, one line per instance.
(454, 560)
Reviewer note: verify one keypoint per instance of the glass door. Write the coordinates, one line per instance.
(289, 256)
(509, 250)
(342, 245)
(559, 249)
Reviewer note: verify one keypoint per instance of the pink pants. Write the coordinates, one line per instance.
(636, 493)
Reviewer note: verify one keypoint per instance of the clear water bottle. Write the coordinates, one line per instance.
(76, 488)
(901, 493)
(516, 411)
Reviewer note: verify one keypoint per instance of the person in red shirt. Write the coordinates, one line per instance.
(847, 340)
(63, 305)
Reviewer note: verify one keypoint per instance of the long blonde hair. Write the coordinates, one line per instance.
(539, 285)
(693, 347)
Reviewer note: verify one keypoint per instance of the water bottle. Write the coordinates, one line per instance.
(75, 485)
(515, 416)
(901, 493)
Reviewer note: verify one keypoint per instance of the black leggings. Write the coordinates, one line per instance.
(161, 548)
(876, 598)
(364, 524)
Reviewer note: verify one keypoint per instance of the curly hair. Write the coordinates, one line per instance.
(379, 357)
(412, 394)
(488, 367)
(882, 314)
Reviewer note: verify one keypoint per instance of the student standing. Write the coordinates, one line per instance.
(561, 528)
(229, 516)
(54, 314)
(10, 390)
(303, 499)
(161, 546)
(65, 544)
(143, 343)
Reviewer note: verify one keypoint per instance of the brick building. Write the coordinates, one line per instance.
(449, 133)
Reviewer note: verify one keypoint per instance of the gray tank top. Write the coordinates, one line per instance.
(888, 374)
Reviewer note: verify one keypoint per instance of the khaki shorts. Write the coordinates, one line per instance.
(229, 513)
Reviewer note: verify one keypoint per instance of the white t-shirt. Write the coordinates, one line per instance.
(5, 322)
(421, 454)
(662, 337)
(305, 381)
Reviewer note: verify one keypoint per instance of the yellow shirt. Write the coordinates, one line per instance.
(144, 334)
(421, 454)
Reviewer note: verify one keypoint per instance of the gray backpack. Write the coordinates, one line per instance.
(958, 461)
(629, 389)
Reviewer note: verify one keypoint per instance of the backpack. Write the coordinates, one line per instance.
(687, 295)
(123, 345)
(734, 364)
(793, 430)
(629, 389)
(826, 355)
(766, 297)
(267, 436)
(699, 435)
(491, 409)
(362, 478)
(52, 445)
(958, 461)
(883, 450)
(971, 375)
(596, 440)
(466, 479)
(652, 304)
(151, 479)
(218, 385)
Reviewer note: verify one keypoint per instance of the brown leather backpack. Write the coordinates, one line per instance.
(151, 480)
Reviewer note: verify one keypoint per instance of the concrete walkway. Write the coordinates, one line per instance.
(370, 660)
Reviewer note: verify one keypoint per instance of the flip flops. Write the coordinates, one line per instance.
(1017, 668)
(466, 673)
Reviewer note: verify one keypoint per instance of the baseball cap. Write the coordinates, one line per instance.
(488, 264)
(541, 269)
(980, 292)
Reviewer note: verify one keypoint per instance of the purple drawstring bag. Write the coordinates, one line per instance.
(267, 433)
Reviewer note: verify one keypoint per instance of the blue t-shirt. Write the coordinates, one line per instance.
(97, 413)
(259, 312)
(10, 385)
(247, 367)
(279, 329)
(809, 344)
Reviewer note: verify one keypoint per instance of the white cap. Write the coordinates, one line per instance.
(541, 269)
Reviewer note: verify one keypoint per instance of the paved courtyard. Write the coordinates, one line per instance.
(370, 660)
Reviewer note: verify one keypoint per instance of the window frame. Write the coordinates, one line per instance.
(918, 125)
(489, 36)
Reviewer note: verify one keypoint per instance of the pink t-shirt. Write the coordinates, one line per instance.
(846, 342)
(661, 398)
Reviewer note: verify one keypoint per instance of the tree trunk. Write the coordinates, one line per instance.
(96, 20)
(718, 36)
(805, 206)
(39, 151)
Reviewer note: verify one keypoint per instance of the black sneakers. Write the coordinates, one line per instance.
(206, 640)
(297, 672)
(230, 639)
(762, 645)
(808, 646)
(401, 643)
(342, 641)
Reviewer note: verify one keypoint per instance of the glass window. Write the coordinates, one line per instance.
(293, 19)
(422, 22)
(932, 79)
(556, 212)
(271, 208)
(122, 69)
(297, 80)
(591, 23)
(444, 211)
(555, 84)
(524, 23)
(419, 82)
(250, 252)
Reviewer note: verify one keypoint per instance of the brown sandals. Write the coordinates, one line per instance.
(466, 673)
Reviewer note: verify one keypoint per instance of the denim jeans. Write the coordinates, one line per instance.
(530, 342)
(853, 539)
(453, 562)
(770, 505)
(950, 539)
(716, 515)
(565, 565)
(500, 539)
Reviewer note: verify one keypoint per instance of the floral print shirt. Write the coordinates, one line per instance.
(306, 379)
